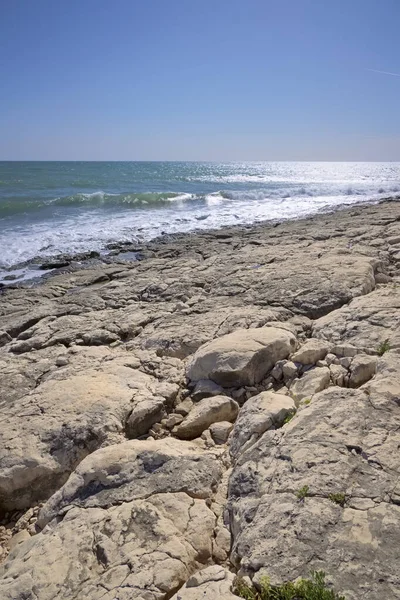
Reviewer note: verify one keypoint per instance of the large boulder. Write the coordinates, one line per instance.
(243, 357)
(204, 414)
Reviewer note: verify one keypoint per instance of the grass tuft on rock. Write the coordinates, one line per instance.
(338, 498)
(314, 588)
(302, 492)
(289, 416)
(383, 347)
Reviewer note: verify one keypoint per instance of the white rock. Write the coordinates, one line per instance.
(204, 414)
(265, 411)
(362, 369)
(312, 382)
(312, 351)
(289, 370)
(220, 431)
(243, 357)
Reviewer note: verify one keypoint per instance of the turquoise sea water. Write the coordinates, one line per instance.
(48, 208)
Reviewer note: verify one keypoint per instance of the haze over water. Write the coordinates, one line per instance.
(49, 208)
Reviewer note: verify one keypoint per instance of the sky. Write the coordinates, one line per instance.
(199, 80)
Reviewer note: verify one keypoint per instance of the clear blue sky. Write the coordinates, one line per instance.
(199, 79)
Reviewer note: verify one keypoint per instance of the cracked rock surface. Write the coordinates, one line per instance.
(275, 349)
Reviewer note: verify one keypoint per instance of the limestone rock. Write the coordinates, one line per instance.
(70, 413)
(241, 358)
(136, 516)
(344, 442)
(143, 416)
(365, 323)
(311, 352)
(220, 431)
(212, 583)
(338, 374)
(289, 370)
(204, 414)
(344, 350)
(205, 388)
(265, 411)
(4, 338)
(313, 381)
(362, 369)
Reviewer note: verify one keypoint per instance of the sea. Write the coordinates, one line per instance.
(52, 208)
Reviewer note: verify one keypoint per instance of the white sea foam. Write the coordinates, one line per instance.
(226, 195)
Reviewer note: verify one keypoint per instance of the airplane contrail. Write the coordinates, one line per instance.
(384, 72)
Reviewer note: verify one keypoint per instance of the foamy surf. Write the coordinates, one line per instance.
(48, 209)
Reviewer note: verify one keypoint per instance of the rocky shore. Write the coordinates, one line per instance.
(228, 405)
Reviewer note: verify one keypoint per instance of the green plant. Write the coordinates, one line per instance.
(338, 498)
(303, 492)
(304, 589)
(383, 347)
(307, 401)
(289, 416)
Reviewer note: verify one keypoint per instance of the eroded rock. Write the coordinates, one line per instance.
(241, 358)
(204, 414)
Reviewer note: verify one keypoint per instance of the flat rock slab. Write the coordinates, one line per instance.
(323, 492)
(366, 323)
(73, 411)
(241, 358)
(131, 522)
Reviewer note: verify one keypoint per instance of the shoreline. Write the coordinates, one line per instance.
(246, 379)
(46, 268)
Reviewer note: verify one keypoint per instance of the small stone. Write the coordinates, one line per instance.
(184, 407)
(345, 362)
(4, 338)
(62, 361)
(330, 358)
(289, 370)
(172, 420)
(206, 412)
(220, 431)
(321, 363)
(338, 373)
(312, 382)
(143, 416)
(277, 371)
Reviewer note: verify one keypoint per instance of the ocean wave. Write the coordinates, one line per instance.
(98, 198)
